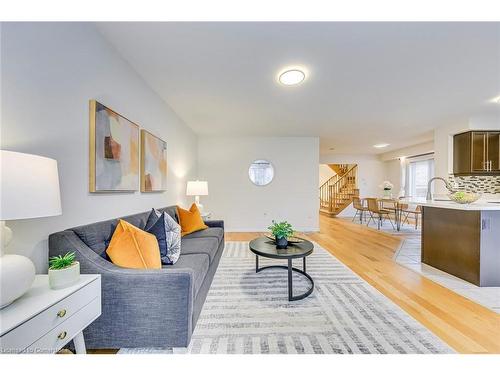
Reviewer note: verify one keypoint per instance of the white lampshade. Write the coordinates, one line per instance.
(197, 188)
(29, 186)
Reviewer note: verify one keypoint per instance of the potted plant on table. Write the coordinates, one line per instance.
(387, 186)
(282, 232)
(64, 271)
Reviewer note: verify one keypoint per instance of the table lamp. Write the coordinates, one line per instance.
(29, 189)
(197, 188)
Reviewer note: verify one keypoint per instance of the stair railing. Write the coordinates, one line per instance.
(325, 198)
(330, 192)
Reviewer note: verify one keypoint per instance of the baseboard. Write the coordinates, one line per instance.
(248, 229)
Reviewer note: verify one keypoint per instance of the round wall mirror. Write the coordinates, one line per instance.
(261, 172)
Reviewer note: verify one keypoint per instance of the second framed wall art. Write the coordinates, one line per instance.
(153, 163)
(114, 162)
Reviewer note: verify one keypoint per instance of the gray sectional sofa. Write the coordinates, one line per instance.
(145, 308)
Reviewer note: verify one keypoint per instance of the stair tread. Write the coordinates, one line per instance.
(344, 187)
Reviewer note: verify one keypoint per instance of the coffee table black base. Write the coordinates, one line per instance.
(290, 268)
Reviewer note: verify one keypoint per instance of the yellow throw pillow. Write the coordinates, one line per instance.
(191, 220)
(131, 247)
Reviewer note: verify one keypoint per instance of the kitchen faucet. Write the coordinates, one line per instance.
(450, 188)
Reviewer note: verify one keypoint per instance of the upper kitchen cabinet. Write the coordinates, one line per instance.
(476, 152)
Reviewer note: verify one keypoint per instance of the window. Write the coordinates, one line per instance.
(419, 174)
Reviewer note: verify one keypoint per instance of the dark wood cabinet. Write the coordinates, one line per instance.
(476, 152)
(463, 243)
(493, 151)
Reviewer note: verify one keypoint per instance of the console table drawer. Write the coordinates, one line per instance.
(66, 331)
(26, 334)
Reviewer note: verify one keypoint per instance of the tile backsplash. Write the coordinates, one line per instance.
(476, 184)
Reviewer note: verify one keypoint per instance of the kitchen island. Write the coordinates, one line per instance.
(462, 239)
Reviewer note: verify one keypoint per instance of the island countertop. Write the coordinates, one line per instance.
(462, 239)
(483, 204)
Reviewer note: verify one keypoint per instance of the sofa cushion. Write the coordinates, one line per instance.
(209, 232)
(171, 211)
(98, 235)
(208, 245)
(198, 263)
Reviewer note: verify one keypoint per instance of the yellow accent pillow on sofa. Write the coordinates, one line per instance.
(191, 220)
(131, 247)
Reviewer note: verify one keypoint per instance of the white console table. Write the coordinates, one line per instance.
(44, 320)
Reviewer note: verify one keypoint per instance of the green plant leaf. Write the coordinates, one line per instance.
(281, 230)
(62, 261)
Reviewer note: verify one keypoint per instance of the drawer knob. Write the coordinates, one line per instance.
(61, 313)
(62, 335)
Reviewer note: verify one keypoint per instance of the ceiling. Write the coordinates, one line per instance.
(366, 83)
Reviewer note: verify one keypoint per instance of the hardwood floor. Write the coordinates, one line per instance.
(464, 325)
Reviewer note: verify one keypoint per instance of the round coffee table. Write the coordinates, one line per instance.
(266, 248)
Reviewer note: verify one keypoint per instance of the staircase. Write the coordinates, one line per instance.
(340, 169)
(336, 194)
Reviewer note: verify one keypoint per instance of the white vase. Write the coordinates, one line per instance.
(65, 277)
(17, 273)
(387, 193)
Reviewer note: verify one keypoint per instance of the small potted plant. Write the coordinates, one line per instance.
(281, 232)
(64, 271)
(387, 186)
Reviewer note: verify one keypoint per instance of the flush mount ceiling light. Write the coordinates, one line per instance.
(496, 100)
(381, 145)
(291, 77)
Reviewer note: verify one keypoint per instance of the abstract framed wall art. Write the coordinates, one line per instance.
(153, 163)
(114, 151)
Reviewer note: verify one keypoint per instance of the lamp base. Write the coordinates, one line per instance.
(198, 204)
(17, 274)
(200, 207)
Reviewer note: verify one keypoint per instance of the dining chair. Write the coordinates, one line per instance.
(374, 209)
(389, 205)
(357, 203)
(417, 211)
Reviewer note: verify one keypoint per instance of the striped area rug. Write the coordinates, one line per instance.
(249, 313)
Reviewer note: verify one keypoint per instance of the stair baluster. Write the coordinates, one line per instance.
(336, 194)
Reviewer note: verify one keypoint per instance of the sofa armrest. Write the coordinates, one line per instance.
(215, 223)
(139, 307)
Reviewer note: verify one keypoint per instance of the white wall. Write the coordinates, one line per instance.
(291, 196)
(393, 174)
(487, 121)
(49, 72)
(371, 173)
(325, 173)
(394, 162)
(443, 140)
(443, 152)
(418, 149)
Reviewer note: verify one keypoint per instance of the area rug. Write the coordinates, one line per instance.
(249, 313)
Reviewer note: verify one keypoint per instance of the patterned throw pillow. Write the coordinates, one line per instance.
(168, 234)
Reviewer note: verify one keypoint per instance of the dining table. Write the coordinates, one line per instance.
(397, 206)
